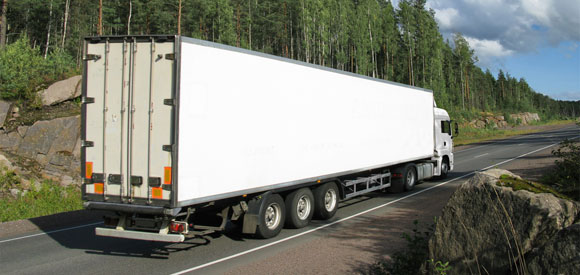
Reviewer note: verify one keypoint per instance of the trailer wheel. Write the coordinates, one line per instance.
(325, 201)
(409, 177)
(271, 217)
(300, 208)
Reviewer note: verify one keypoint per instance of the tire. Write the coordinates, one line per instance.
(325, 201)
(271, 217)
(409, 177)
(299, 208)
(444, 169)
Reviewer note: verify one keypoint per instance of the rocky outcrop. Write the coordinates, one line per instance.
(489, 120)
(487, 228)
(61, 91)
(4, 109)
(52, 146)
(525, 118)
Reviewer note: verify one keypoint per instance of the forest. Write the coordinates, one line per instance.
(41, 41)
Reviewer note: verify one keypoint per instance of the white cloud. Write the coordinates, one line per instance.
(501, 28)
(446, 17)
(486, 47)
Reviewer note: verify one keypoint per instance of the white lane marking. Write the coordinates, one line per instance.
(478, 156)
(521, 144)
(350, 217)
(314, 229)
(509, 139)
(50, 232)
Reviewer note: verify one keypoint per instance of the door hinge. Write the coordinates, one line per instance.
(170, 56)
(169, 102)
(94, 57)
(88, 100)
(168, 148)
(86, 143)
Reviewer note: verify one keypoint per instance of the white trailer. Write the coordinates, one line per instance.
(175, 129)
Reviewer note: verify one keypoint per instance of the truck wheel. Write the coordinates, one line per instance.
(444, 169)
(325, 201)
(271, 217)
(300, 208)
(409, 177)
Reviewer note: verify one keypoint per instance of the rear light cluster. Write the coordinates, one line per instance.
(178, 227)
(397, 175)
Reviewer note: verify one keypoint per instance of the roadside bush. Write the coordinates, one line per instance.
(20, 70)
(566, 175)
(23, 69)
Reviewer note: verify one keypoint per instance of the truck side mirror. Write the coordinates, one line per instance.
(456, 129)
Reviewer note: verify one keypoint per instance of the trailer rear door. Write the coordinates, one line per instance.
(127, 119)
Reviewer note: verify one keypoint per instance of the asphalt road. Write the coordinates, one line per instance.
(360, 232)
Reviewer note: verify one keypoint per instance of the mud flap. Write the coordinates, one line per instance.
(251, 218)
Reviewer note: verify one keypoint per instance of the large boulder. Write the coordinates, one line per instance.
(4, 109)
(61, 91)
(47, 141)
(488, 228)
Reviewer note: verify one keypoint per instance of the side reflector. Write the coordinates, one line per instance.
(89, 170)
(157, 192)
(99, 188)
(167, 175)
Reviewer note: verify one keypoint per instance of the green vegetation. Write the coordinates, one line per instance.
(410, 260)
(566, 176)
(368, 37)
(47, 199)
(23, 70)
(520, 184)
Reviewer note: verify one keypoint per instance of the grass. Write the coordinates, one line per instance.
(520, 184)
(469, 135)
(49, 198)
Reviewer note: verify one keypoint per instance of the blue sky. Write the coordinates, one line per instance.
(538, 40)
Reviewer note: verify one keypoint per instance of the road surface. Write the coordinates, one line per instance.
(364, 230)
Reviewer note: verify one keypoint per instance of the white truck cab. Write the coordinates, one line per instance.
(443, 143)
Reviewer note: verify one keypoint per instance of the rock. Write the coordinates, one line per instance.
(66, 180)
(62, 158)
(479, 124)
(486, 228)
(22, 130)
(61, 91)
(15, 192)
(4, 162)
(558, 256)
(4, 109)
(49, 137)
(10, 141)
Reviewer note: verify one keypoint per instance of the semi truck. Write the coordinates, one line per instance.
(182, 137)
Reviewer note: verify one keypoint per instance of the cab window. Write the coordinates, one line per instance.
(446, 127)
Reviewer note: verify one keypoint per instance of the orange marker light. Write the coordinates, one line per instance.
(89, 170)
(167, 175)
(99, 188)
(157, 193)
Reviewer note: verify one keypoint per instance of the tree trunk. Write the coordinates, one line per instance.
(250, 24)
(48, 32)
(129, 18)
(179, 19)
(66, 9)
(371, 38)
(100, 26)
(3, 23)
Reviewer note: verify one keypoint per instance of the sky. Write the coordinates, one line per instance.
(538, 40)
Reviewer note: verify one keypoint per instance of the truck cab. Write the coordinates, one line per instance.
(443, 153)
